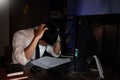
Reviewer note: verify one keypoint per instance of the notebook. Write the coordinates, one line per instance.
(14, 70)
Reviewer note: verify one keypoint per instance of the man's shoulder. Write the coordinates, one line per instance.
(24, 31)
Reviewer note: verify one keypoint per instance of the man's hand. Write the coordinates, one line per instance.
(39, 31)
(57, 47)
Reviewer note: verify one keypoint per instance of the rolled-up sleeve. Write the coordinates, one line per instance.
(50, 50)
(18, 54)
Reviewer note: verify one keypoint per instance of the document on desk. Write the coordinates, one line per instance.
(50, 62)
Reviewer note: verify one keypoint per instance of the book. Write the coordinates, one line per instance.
(68, 38)
(14, 70)
(68, 26)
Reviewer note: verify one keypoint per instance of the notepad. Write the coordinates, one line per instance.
(50, 62)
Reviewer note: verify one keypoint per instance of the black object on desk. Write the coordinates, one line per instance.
(35, 69)
(14, 70)
(61, 69)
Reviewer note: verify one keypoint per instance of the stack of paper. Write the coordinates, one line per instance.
(50, 62)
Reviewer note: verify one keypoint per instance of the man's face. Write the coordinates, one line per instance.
(42, 42)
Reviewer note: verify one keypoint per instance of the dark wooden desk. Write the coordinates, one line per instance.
(44, 75)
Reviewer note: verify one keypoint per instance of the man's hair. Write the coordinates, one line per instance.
(50, 36)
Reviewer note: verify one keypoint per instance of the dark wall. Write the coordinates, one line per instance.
(27, 13)
(4, 25)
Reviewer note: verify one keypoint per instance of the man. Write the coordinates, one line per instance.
(25, 42)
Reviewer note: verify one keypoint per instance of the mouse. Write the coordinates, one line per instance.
(35, 69)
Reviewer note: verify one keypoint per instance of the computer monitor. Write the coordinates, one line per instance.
(85, 44)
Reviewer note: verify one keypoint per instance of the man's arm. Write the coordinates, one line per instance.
(55, 50)
(38, 33)
(22, 53)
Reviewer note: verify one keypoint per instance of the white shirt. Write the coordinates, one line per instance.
(21, 40)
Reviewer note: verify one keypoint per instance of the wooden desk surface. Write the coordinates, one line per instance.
(44, 75)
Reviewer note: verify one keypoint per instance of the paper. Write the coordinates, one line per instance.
(50, 62)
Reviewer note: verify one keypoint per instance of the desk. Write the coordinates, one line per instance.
(44, 75)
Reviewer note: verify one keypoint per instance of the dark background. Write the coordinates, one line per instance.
(102, 14)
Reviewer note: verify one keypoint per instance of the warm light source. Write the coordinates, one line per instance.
(3, 4)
